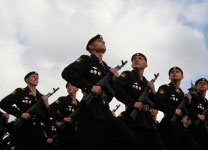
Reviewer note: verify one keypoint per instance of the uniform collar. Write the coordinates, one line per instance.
(137, 75)
(27, 89)
(177, 90)
(94, 57)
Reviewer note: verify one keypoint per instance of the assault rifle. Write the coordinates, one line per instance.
(103, 83)
(87, 98)
(182, 105)
(144, 98)
(33, 109)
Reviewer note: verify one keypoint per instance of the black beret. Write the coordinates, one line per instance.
(201, 79)
(175, 68)
(138, 54)
(29, 74)
(92, 40)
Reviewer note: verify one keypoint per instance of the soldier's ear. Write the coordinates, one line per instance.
(91, 47)
(146, 65)
(182, 77)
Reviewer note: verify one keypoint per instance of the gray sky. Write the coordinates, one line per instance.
(47, 35)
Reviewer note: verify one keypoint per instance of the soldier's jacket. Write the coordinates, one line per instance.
(197, 106)
(167, 99)
(129, 88)
(18, 102)
(85, 72)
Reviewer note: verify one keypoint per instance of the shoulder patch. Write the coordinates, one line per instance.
(162, 91)
(78, 60)
(57, 101)
(123, 75)
(14, 92)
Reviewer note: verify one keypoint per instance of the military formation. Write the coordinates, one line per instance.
(89, 124)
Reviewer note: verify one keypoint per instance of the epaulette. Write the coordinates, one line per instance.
(57, 101)
(124, 74)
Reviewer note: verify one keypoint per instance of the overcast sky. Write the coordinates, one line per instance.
(47, 35)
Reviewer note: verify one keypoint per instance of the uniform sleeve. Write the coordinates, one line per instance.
(74, 73)
(7, 103)
(55, 110)
(120, 88)
(161, 101)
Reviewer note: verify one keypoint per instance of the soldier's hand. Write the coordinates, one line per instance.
(67, 120)
(25, 116)
(115, 73)
(113, 113)
(49, 140)
(178, 112)
(13, 148)
(189, 97)
(138, 105)
(45, 101)
(201, 117)
(6, 115)
(96, 89)
(152, 86)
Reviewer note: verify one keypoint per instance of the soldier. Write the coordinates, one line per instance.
(129, 87)
(167, 99)
(60, 110)
(198, 104)
(30, 135)
(95, 119)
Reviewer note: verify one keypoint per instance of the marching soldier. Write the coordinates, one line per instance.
(167, 99)
(198, 104)
(129, 87)
(95, 119)
(30, 135)
(60, 111)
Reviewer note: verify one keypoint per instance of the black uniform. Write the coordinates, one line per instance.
(174, 135)
(51, 130)
(197, 106)
(129, 88)
(63, 107)
(30, 135)
(96, 119)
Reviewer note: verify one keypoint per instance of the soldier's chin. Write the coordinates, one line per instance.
(101, 51)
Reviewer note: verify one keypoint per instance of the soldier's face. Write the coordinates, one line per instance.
(72, 89)
(175, 74)
(138, 63)
(33, 80)
(202, 86)
(98, 46)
